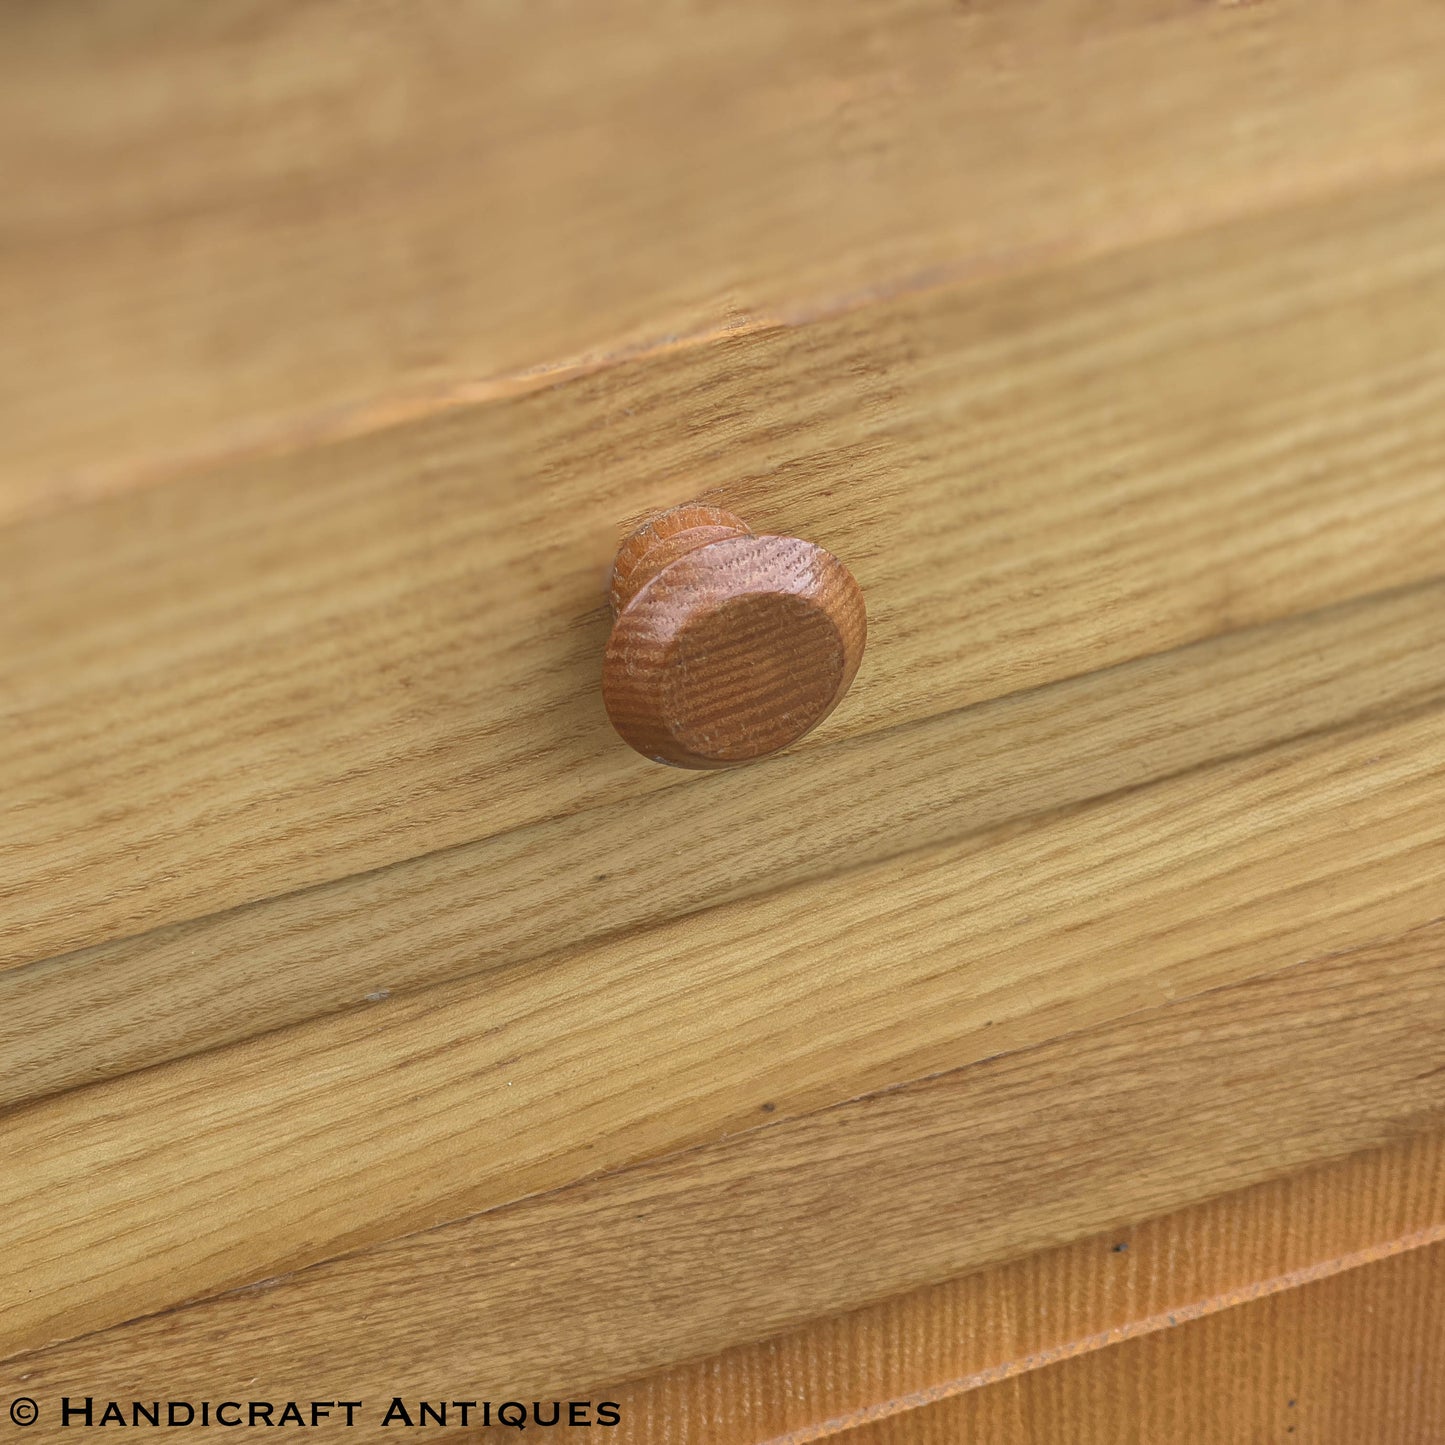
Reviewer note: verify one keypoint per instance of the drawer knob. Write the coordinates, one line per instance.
(727, 645)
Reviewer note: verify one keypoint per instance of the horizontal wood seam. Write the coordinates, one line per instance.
(671, 1158)
(1418, 704)
(1134, 1329)
(338, 423)
(1429, 701)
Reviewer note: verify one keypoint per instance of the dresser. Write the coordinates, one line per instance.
(1039, 1038)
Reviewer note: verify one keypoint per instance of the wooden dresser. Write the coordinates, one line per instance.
(1049, 1047)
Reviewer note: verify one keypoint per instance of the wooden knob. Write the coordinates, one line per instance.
(727, 646)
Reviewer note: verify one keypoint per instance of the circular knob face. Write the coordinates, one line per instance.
(727, 646)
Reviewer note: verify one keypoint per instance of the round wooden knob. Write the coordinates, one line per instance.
(727, 646)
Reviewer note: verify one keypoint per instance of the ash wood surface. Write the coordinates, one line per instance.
(687, 1031)
(339, 355)
(684, 1255)
(107, 1010)
(901, 1355)
(245, 228)
(302, 667)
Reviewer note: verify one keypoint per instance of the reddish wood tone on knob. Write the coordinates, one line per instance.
(727, 646)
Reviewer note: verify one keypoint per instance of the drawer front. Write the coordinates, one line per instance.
(295, 669)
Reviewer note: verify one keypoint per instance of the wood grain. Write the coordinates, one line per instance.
(683, 1256)
(308, 666)
(467, 1096)
(1357, 1357)
(340, 351)
(904, 1354)
(247, 230)
(104, 1011)
(726, 646)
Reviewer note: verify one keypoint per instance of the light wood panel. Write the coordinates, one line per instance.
(682, 1256)
(1357, 1357)
(361, 351)
(314, 665)
(465, 1096)
(144, 1000)
(244, 229)
(901, 1355)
